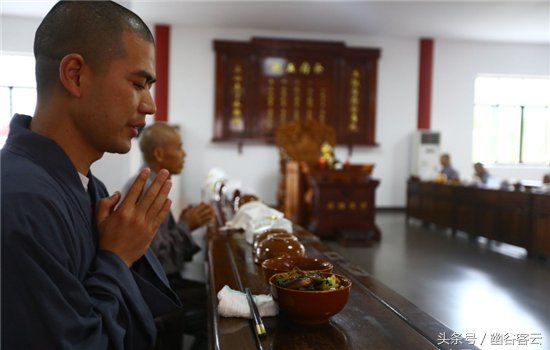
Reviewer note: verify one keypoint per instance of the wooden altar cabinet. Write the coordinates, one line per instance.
(333, 203)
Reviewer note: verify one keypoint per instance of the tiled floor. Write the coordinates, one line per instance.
(475, 287)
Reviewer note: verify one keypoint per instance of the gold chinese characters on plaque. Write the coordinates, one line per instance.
(265, 83)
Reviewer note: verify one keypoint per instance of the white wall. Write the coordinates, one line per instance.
(17, 34)
(456, 65)
(191, 104)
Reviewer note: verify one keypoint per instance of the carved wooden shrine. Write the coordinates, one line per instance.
(264, 83)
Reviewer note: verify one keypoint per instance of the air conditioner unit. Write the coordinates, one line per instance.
(425, 154)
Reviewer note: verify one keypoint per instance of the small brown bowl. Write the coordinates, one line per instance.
(272, 232)
(278, 246)
(246, 198)
(285, 264)
(310, 307)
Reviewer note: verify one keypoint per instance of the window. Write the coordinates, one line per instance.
(512, 120)
(17, 89)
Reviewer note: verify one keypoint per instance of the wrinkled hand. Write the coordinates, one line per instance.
(128, 230)
(197, 216)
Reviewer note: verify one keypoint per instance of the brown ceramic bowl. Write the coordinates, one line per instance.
(272, 232)
(278, 246)
(245, 198)
(310, 307)
(285, 264)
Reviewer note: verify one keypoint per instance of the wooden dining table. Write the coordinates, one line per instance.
(375, 316)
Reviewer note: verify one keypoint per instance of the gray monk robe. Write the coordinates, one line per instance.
(58, 290)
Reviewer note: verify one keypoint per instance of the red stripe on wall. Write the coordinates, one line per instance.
(162, 49)
(425, 83)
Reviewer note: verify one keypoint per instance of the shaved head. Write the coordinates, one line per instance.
(93, 29)
(154, 136)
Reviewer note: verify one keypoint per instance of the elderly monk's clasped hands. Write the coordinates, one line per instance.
(197, 216)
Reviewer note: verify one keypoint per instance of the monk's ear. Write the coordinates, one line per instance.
(70, 70)
(158, 154)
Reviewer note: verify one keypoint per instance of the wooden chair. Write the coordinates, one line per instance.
(299, 146)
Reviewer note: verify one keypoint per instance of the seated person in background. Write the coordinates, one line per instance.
(546, 182)
(161, 146)
(481, 174)
(450, 173)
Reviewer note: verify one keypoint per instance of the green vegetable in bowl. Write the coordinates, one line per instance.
(330, 282)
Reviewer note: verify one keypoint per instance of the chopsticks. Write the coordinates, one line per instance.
(259, 325)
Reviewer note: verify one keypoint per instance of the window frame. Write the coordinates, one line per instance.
(490, 104)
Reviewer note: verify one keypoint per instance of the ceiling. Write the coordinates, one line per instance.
(490, 20)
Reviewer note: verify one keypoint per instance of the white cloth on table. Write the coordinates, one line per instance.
(252, 211)
(256, 217)
(233, 303)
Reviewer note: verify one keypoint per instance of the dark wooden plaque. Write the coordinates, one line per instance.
(264, 83)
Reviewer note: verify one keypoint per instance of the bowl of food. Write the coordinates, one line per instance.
(286, 263)
(310, 297)
(278, 246)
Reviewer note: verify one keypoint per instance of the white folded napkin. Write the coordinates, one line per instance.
(251, 211)
(232, 303)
